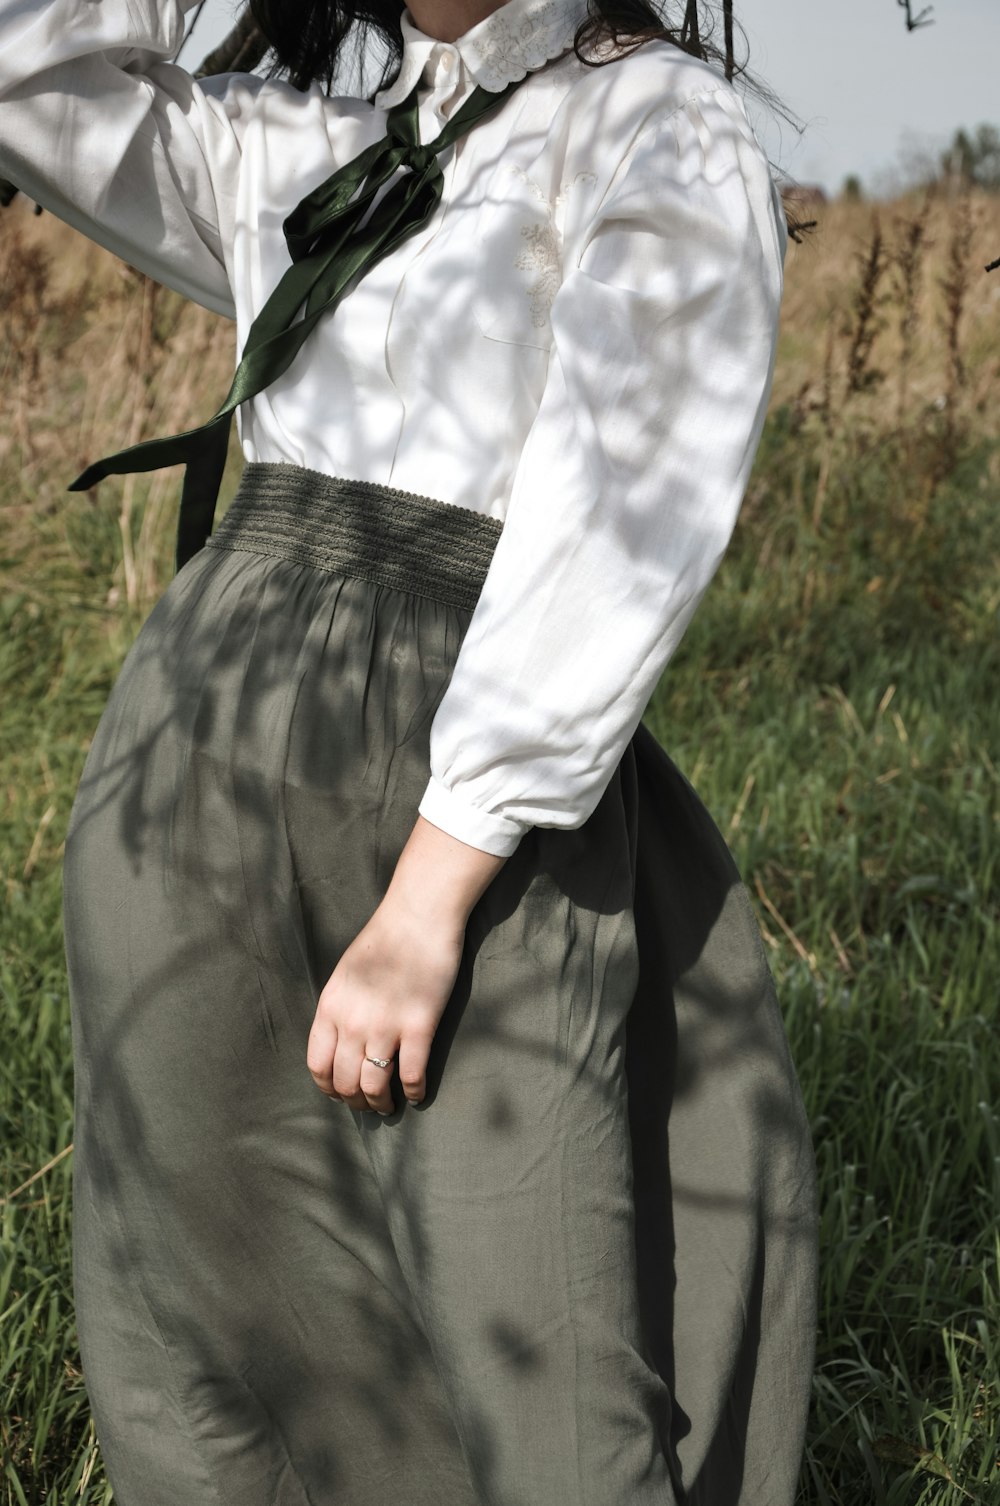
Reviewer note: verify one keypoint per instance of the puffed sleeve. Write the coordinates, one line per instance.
(628, 487)
(99, 127)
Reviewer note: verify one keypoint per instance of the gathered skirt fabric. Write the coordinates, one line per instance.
(583, 1272)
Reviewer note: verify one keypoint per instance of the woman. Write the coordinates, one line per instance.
(437, 1137)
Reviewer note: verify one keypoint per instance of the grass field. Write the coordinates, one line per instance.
(835, 702)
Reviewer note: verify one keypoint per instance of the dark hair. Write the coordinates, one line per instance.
(308, 40)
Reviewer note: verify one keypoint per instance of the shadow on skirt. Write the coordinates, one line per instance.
(583, 1271)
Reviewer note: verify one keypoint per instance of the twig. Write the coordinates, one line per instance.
(727, 17)
(741, 804)
(36, 845)
(807, 957)
(239, 52)
(690, 29)
(842, 957)
(194, 22)
(912, 21)
(39, 1173)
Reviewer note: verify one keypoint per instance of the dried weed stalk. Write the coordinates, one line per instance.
(865, 322)
(955, 285)
(29, 306)
(908, 264)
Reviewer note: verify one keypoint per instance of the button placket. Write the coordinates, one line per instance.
(419, 246)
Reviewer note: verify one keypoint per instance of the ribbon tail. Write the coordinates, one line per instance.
(203, 451)
(148, 455)
(200, 493)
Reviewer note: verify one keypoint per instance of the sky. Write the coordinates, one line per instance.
(872, 97)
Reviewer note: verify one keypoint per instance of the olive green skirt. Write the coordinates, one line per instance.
(583, 1271)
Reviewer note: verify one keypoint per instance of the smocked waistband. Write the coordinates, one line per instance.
(362, 529)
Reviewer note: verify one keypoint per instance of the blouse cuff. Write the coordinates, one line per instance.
(478, 828)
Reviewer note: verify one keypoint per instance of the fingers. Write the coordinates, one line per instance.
(341, 1069)
(359, 1082)
(347, 1072)
(374, 1081)
(414, 1050)
(352, 1025)
(320, 1053)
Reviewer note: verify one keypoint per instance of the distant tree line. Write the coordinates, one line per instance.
(975, 158)
(972, 160)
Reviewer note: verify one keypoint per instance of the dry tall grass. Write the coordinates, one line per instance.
(99, 356)
(875, 288)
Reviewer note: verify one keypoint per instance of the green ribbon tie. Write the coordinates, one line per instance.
(329, 248)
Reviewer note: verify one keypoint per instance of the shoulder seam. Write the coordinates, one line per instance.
(698, 94)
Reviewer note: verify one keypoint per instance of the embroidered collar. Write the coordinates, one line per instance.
(517, 37)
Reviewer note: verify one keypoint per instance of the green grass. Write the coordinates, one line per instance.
(835, 702)
(847, 753)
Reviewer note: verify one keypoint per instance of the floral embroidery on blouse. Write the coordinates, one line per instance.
(517, 38)
(542, 255)
(509, 46)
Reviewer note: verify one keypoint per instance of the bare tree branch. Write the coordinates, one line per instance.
(191, 26)
(239, 52)
(690, 28)
(727, 16)
(920, 19)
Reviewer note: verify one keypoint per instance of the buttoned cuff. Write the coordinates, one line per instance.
(494, 834)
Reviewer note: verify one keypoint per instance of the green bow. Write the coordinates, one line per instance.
(329, 248)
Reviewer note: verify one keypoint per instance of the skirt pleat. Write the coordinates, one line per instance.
(583, 1271)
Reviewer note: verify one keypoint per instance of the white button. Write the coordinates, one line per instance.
(446, 60)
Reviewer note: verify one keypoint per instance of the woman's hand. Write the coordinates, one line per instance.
(390, 987)
(386, 994)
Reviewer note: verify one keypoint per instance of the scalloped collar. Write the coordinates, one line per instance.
(512, 40)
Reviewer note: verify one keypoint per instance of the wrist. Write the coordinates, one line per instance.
(438, 879)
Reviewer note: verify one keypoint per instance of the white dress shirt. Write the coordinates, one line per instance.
(579, 342)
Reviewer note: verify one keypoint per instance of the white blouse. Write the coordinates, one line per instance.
(579, 342)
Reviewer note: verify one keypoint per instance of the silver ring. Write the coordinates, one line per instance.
(379, 1062)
